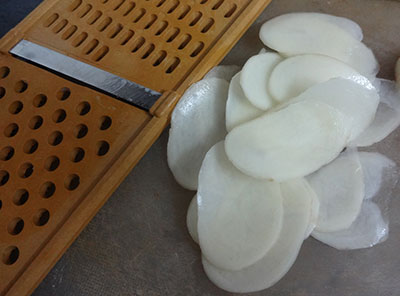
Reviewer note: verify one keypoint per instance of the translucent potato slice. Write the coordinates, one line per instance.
(239, 217)
(225, 72)
(191, 219)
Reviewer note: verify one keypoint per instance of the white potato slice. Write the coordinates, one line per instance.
(366, 231)
(239, 217)
(290, 143)
(238, 108)
(294, 75)
(387, 117)
(340, 190)
(305, 33)
(314, 213)
(225, 72)
(280, 258)
(198, 122)
(254, 78)
(263, 50)
(191, 219)
(374, 166)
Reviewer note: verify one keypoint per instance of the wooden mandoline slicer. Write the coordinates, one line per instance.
(86, 87)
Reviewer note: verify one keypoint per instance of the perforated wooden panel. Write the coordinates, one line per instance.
(152, 42)
(56, 140)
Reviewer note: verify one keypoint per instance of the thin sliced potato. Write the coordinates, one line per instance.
(191, 219)
(239, 217)
(225, 72)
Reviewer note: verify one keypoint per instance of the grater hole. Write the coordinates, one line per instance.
(31, 146)
(36, 122)
(185, 10)
(161, 57)
(47, 190)
(10, 255)
(105, 123)
(148, 52)
(118, 6)
(4, 72)
(175, 32)
(85, 11)
(55, 138)
(160, 3)
(94, 17)
(231, 11)
(25, 170)
(42, 217)
(81, 131)
(217, 4)
(208, 26)
(4, 177)
(51, 20)
(74, 6)
(186, 40)
(114, 32)
(7, 153)
(196, 17)
(197, 50)
(52, 163)
(63, 94)
(101, 53)
(20, 197)
(80, 39)
(39, 101)
(129, 8)
(104, 24)
(203, 1)
(15, 226)
(126, 37)
(138, 44)
(21, 86)
(153, 19)
(11, 130)
(173, 66)
(161, 28)
(142, 12)
(173, 7)
(1, 204)
(68, 34)
(77, 154)
(60, 26)
(2, 92)
(59, 116)
(102, 148)
(16, 107)
(91, 46)
(72, 182)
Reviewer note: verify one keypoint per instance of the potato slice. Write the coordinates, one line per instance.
(366, 231)
(238, 108)
(225, 72)
(314, 213)
(340, 190)
(306, 33)
(239, 217)
(387, 117)
(294, 75)
(198, 122)
(254, 78)
(290, 143)
(280, 258)
(191, 219)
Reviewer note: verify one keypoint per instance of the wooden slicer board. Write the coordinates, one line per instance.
(64, 147)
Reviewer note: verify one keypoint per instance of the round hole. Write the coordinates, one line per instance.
(55, 138)
(16, 107)
(77, 154)
(20, 197)
(102, 148)
(72, 182)
(41, 218)
(4, 72)
(2, 92)
(15, 226)
(31, 146)
(21, 86)
(63, 94)
(59, 116)
(25, 170)
(4, 177)
(47, 190)
(52, 163)
(83, 108)
(11, 130)
(7, 153)
(36, 122)
(10, 255)
(81, 131)
(105, 122)
(39, 101)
